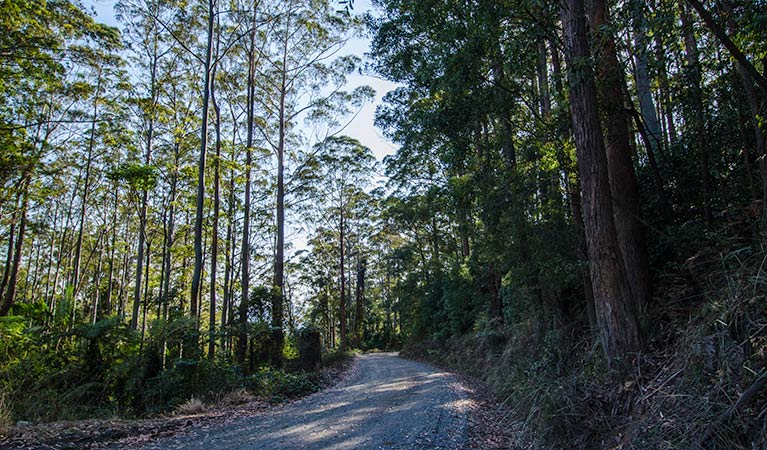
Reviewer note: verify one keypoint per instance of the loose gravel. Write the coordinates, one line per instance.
(386, 402)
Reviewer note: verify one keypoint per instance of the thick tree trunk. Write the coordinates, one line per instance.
(665, 92)
(618, 325)
(623, 183)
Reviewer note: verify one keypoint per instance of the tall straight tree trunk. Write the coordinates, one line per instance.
(97, 285)
(75, 278)
(359, 305)
(642, 77)
(144, 197)
(542, 71)
(216, 209)
(617, 322)
(623, 183)
(229, 254)
(342, 300)
(196, 293)
(694, 79)
(110, 286)
(242, 341)
(279, 260)
(51, 255)
(665, 90)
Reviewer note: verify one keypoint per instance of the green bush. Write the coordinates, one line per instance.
(277, 385)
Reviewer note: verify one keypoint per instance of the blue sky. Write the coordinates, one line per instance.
(361, 127)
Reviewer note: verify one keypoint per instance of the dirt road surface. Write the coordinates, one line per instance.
(386, 403)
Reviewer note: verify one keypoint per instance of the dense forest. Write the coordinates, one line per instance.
(574, 214)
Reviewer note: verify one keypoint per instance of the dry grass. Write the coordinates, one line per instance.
(5, 414)
(191, 407)
(237, 397)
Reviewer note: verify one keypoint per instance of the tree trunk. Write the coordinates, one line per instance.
(9, 254)
(642, 77)
(359, 301)
(75, 278)
(144, 199)
(216, 208)
(242, 340)
(10, 292)
(694, 77)
(749, 69)
(618, 325)
(623, 183)
(110, 286)
(279, 259)
(342, 301)
(196, 294)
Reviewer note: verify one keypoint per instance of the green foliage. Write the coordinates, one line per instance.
(277, 385)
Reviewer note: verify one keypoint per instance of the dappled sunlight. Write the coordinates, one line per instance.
(390, 403)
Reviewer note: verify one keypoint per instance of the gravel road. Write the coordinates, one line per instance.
(386, 403)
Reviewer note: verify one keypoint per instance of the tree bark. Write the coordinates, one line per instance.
(242, 340)
(623, 183)
(216, 209)
(277, 336)
(359, 300)
(342, 301)
(196, 294)
(618, 325)
(642, 78)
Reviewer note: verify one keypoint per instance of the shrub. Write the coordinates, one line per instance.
(235, 397)
(277, 385)
(192, 406)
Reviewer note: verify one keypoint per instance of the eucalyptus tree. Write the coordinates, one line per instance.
(149, 43)
(303, 78)
(618, 325)
(623, 182)
(39, 110)
(342, 167)
(196, 295)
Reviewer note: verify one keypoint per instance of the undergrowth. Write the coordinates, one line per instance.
(60, 372)
(706, 346)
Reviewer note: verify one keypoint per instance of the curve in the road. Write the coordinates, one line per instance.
(387, 403)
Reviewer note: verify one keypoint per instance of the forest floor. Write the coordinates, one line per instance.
(378, 401)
